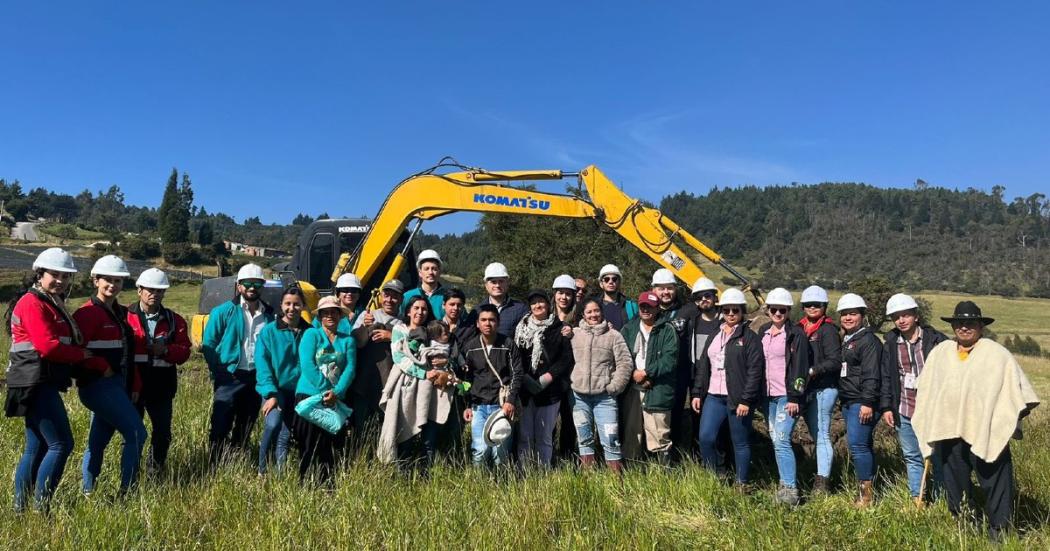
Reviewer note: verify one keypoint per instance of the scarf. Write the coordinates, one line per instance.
(811, 327)
(529, 334)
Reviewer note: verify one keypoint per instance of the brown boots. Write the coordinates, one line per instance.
(587, 461)
(866, 496)
(820, 485)
(616, 466)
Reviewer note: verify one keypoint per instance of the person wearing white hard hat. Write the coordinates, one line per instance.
(228, 345)
(618, 309)
(102, 381)
(647, 405)
(823, 384)
(162, 342)
(665, 287)
(429, 267)
(565, 303)
(727, 385)
(699, 320)
(348, 291)
(787, 354)
(46, 344)
(567, 308)
(276, 376)
(859, 390)
(497, 287)
(906, 347)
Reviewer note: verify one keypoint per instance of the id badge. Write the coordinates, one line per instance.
(845, 369)
(910, 381)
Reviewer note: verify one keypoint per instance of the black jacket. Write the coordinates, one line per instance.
(745, 367)
(484, 386)
(798, 361)
(862, 356)
(891, 367)
(557, 359)
(826, 358)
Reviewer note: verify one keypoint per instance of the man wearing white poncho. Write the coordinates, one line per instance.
(972, 396)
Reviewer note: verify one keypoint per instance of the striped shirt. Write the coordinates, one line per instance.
(910, 359)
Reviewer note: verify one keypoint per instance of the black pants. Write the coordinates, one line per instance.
(996, 479)
(317, 448)
(234, 408)
(159, 409)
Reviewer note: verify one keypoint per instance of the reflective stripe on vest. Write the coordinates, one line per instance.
(106, 344)
(157, 362)
(22, 346)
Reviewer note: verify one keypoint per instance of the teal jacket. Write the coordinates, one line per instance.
(224, 335)
(277, 358)
(316, 353)
(661, 360)
(437, 300)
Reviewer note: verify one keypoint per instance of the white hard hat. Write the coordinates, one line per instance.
(663, 276)
(495, 270)
(250, 271)
(55, 259)
(814, 293)
(780, 297)
(732, 296)
(429, 254)
(153, 278)
(348, 280)
(704, 284)
(851, 301)
(609, 269)
(564, 281)
(110, 265)
(899, 303)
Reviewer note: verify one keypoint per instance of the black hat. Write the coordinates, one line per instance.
(967, 310)
(537, 293)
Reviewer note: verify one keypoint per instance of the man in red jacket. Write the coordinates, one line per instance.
(161, 343)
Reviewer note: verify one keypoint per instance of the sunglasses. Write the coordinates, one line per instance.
(252, 284)
(812, 304)
(353, 290)
(610, 279)
(731, 310)
(704, 296)
(778, 310)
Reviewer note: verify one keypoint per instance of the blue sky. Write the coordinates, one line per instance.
(277, 107)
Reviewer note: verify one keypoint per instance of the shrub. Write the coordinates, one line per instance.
(140, 248)
(180, 254)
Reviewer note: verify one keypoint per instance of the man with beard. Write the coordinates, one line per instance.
(372, 332)
(617, 308)
(429, 267)
(228, 345)
(701, 320)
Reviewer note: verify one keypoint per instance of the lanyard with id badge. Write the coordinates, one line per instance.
(910, 381)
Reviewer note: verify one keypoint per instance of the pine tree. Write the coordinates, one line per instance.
(173, 214)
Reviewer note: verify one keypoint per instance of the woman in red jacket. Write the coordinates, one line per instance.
(102, 383)
(161, 343)
(44, 347)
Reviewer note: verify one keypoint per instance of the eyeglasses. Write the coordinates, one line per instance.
(778, 310)
(812, 304)
(610, 279)
(706, 295)
(249, 284)
(731, 310)
(353, 290)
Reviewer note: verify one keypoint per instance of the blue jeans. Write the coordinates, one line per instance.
(818, 418)
(715, 412)
(781, 425)
(599, 410)
(913, 460)
(276, 436)
(49, 441)
(482, 452)
(112, 411)
(160, 413)
(861, 440)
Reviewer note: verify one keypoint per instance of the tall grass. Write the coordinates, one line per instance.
(375, 506)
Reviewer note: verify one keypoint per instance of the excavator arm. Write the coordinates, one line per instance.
(428, 195)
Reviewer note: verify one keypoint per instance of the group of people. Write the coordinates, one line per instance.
(599, 378)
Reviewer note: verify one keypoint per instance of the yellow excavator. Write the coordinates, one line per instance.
(450, 187)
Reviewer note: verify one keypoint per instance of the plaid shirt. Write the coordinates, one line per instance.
(910, 360)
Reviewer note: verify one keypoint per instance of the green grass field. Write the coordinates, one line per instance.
(376, 507)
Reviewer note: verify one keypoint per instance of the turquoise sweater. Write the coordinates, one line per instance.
(437, 300)
(224, 335)
(277, 358)
(342, 356)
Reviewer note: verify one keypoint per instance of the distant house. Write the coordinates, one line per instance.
(253, 250)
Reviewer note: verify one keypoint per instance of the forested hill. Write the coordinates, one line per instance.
(923, 238)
